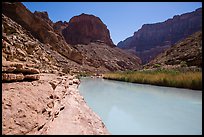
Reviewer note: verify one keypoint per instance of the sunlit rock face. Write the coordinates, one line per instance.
(38, 24)
(34, 38)
(152, 39)
(84, 29)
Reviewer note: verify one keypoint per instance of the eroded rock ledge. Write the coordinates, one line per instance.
(16, 71)
(50, 105)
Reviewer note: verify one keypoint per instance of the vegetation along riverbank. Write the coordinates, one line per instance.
(169, 78)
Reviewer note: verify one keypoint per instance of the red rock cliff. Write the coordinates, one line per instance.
(84, 29)
(152, 39)
(40, 28)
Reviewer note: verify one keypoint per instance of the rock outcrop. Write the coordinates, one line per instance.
(100, 58)
(84, 29)
(34, 101)
(185, 53)
(15, 71)
(59, 26)
(37, 26)
(18, 45)
(27, 38)
(44, 16)
(162, 35)
(36, 108)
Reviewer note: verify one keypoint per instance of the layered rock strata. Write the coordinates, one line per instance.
(38, 27)
(162, 35)
(15, 71)
(18, 45)
(26, 42)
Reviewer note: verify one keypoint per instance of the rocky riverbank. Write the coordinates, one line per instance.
(50, 105)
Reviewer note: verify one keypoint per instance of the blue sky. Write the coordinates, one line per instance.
(121, 18)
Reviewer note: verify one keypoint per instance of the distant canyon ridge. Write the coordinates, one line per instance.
(152, 39)
(84, 44)
(81, 45)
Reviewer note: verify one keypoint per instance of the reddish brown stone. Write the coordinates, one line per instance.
(152, 39)
(9, 77)
(32, 77)
(85, 28)
(187, 52)
(38, 27)
(44, 16)
(59, 26)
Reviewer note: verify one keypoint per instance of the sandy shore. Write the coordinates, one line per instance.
(51, 105)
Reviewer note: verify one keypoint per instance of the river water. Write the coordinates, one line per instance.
(127, 108)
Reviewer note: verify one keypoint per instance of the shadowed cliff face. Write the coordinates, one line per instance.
(162, 35)
(59, 26)
(44, 16)
(188, 51)
(84, 29)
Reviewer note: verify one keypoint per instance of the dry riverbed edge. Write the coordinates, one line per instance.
(51, 105)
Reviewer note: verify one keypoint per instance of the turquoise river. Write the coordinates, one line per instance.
(128, 108)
